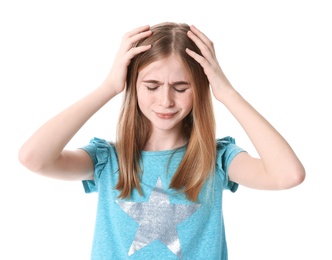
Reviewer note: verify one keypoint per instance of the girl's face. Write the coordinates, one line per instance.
(164, 94)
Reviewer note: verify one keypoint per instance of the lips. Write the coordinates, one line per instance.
(165, 115)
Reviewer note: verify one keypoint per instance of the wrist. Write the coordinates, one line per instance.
(108, 89)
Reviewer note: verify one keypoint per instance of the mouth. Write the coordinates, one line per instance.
(166, 115)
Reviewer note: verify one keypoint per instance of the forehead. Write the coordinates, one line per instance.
(171, 68)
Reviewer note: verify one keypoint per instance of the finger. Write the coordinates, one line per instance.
(135, 35)
(200, 59)
(130, 54)
(132, 41)
(136, 50)
(203, 43)
(206, 53)
(201, 36)
(138, 30)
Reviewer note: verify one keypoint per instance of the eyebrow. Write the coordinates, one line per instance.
(181, 82)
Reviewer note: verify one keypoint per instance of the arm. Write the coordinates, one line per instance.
(278, 166)
(44, 152)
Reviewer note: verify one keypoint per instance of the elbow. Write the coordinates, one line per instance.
(28, 160)
(294, 178)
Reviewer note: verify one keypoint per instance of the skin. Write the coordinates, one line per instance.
(165, 97)
(277, 167)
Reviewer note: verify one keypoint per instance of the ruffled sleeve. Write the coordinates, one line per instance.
(99, 151)
(226, 151)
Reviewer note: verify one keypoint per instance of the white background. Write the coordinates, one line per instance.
(278, 56)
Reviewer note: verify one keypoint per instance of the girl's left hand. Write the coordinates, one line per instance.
(218, 81)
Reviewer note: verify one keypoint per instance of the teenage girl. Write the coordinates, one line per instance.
(160, 184)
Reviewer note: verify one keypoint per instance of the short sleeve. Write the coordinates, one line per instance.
(99, 151)
(226, 151)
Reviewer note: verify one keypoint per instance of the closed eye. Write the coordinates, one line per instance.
(179, 86)
(180, 90)
(151, 88)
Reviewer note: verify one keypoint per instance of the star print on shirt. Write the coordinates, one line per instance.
(157, 219)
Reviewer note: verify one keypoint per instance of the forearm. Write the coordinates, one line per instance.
(47, 143)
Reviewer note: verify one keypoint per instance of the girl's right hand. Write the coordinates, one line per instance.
(118, 73)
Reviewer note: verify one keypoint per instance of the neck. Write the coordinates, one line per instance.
(158, 142)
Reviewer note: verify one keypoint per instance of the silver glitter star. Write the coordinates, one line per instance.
(157, 220)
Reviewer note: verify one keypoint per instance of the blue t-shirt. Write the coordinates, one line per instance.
(163, 223)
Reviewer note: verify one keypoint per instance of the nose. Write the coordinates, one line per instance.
(167, 97)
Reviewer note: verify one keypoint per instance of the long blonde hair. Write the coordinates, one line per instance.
(134, 129)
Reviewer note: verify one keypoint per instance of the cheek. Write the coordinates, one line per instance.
(144, 100)
(141, 104)
(188, 101)
(140, 97)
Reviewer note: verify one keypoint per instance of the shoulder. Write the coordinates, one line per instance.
(226, 144)
(227, 149)
(100, 149)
